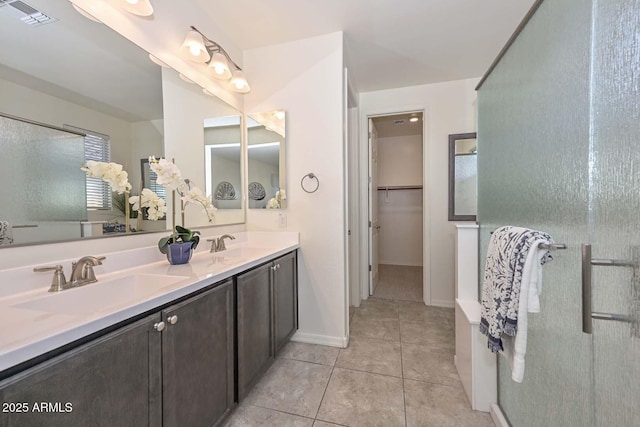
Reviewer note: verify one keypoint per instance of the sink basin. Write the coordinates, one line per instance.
(103, 295)
(242, 252)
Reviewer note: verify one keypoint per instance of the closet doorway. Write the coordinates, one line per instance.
(396, 206)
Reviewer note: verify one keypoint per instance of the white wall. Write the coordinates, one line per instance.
(449, 108)
(400, 211)
(400, 160)
(305, 79)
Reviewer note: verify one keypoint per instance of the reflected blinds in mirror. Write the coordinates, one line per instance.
(97, 147)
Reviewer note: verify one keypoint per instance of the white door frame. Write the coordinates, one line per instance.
(364, 196)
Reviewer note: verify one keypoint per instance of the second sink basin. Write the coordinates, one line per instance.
(102, 295)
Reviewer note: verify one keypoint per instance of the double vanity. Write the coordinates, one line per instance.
(148, 344)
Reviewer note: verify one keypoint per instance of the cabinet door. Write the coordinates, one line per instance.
(112, 381)
(255, 331)
(285, 297)
(197, 359)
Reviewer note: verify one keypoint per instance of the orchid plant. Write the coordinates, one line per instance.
(112, 173)
(276, 202)
(170, 177)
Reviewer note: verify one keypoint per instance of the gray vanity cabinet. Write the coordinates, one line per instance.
(255, 332)
(197, 359)
(285, 298)
(267, 317)
(111, 381)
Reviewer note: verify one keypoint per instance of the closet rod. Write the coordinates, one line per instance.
(401, 187)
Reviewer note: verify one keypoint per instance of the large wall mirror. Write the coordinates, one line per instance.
(463, 177)
(266, 188)
(77, 74)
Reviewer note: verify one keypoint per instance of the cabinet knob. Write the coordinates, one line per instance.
(273, 268)
(172, 319)
(159, 326)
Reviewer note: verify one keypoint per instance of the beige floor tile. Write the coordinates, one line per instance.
(253, 416)
(370, 355)
(418, 312)
(440, 405)
(378, 308)
(319, 423)
(362, 399)
(369, 327)
(423, 363)
(399, 282)
(434, 335)
(313, 353)
(291, 386)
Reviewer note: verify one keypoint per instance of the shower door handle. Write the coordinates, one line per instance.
(587, 263)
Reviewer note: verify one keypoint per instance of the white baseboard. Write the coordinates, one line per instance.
(340, 342)
(498, 417)
(443, 303)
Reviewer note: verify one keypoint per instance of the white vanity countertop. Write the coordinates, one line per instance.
(35, 321)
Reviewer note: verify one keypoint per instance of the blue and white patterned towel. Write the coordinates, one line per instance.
(506, 256)
(6, 233)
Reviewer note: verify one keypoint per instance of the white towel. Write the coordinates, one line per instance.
(515, 348)
(6, 233)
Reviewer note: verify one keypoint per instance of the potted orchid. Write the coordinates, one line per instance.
(170, 177)
(179, 245)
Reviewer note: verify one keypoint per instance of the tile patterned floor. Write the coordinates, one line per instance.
(397, 371)
(399, 282)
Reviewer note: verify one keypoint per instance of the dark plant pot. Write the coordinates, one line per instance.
(179, 253)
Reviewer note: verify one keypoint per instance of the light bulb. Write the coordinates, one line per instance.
(279, 114)
(195, 50)
(219, 69)
(239, 84)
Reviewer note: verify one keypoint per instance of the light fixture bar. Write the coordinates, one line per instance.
(215, 47)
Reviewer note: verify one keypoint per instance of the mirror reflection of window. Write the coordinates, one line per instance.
(222, 147)
(266, 141)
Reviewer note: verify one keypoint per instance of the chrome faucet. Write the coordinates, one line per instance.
(217, 244)
(82, 271)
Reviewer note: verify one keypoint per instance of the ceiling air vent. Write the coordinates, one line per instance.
(26, 13)
(398, 122)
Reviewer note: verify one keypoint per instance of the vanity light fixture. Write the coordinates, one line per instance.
(413, 119)
(137, 7)
(193, 47)
(199, 48)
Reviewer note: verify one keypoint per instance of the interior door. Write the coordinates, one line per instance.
(615, 212)
(374, 227)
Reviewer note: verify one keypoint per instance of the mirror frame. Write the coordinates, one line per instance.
(452, 175)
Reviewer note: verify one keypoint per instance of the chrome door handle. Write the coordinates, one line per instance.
(587, 320)
(587, 263)
(159, 326)
(172, 319)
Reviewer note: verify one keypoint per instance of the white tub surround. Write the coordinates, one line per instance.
(36, 321)
(476, 365)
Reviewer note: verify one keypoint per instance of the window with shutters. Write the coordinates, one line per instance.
(97, 147)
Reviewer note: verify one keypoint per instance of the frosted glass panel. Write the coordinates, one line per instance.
(41, 177)
(615, 115)
(533, 136)
(466, 168)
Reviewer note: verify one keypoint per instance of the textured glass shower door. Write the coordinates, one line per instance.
(559, 151)
(614, 223)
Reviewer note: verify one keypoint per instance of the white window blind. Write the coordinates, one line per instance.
(97, 147)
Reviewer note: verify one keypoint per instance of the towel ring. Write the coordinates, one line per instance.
(310, 175)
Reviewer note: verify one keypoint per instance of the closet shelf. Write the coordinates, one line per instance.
(400, 187)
